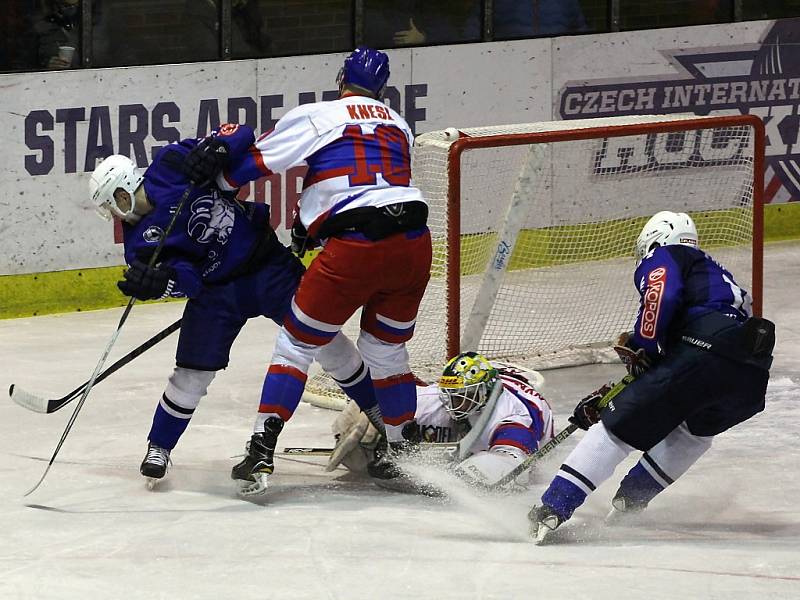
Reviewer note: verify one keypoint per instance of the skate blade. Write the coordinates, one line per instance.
(539, 531)
(253, 489)
(152, 483)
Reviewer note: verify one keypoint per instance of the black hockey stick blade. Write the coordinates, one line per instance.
(308, 451)
(42, 405)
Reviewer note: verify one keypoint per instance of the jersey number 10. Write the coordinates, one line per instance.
(385, 151)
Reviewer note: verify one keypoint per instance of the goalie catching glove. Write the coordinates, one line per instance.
(636, 361)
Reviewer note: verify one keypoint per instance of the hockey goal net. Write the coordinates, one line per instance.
(534, 226)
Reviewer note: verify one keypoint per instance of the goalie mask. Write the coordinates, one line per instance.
(466, 384)
(116, 174)
(663, 229)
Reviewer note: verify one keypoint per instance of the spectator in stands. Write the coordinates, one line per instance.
(415, 23)
(532, 18)
(57, 32)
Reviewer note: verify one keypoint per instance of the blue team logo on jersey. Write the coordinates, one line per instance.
(211, 219)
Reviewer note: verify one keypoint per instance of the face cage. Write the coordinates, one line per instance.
(460, 403)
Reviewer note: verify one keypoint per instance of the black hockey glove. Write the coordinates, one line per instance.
(206, 160)
(301, 242)
(587, 412)
(147, 283)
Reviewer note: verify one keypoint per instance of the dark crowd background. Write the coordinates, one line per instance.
(66, 34)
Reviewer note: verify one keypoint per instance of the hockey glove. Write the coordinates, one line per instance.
(635, 359)
(587, 412)
(205, 161)
(301, 242)
(147, 283)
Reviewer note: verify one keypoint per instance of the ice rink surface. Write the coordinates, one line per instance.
(729, 529)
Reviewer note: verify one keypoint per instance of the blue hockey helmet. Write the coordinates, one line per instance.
(365, 69)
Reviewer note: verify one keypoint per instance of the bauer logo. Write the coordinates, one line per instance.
(651, 302)
(762, 79)
(153, 234)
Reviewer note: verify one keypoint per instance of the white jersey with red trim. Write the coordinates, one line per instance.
(358, 153)
(521, 418)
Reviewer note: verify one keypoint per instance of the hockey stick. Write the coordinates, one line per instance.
(42, 405)
(107, 351)
(560, 437)
(315, 451)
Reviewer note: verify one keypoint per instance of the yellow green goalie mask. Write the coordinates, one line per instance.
(466, 384)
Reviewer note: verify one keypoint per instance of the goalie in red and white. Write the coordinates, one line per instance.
(490, 409)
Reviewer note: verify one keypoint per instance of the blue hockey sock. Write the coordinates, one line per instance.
(397, 397)
(564, 497)
(283, 388)
(169, 423)
(359, 388)
(639, 486)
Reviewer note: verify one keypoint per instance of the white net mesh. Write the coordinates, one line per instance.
(569, 213)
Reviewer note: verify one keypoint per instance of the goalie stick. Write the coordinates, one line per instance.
(42, 405)
(316, 451)
(560, 437)
(112, 341)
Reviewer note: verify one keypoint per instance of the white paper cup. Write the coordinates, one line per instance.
(66, 53)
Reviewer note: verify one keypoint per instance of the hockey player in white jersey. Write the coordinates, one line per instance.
(492, 410)
(359, 203)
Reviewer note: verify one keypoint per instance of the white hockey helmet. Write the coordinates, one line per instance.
(114, 173)
(663, 229)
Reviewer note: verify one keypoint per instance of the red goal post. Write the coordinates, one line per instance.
(533, 228)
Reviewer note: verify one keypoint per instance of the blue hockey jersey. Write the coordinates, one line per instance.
(214, 235)
(678, 284)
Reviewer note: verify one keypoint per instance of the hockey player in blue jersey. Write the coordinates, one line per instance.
(701, 365)
(223, 255)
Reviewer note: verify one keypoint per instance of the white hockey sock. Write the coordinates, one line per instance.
(594, 458)
(675, 454)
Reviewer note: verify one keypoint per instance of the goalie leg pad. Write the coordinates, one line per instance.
(356, 439)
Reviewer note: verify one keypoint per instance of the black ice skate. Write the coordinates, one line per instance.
(624, 508)
(155, 464)
(385, 467)
(258, 464)
(543, 521)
